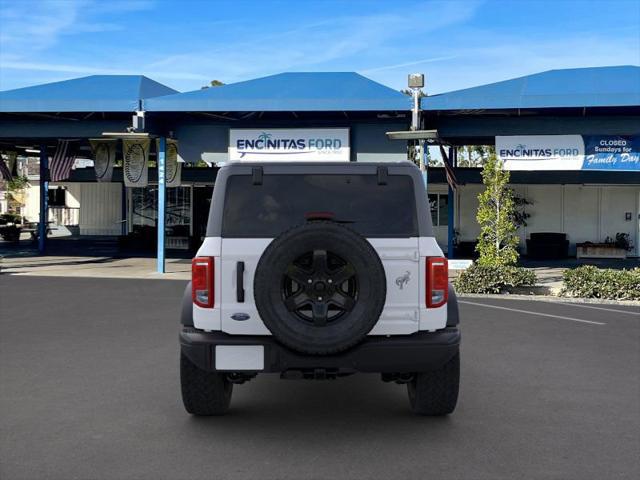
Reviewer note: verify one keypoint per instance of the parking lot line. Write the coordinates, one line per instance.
(531, 313)
(572, 304)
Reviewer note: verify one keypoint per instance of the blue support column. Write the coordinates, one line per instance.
(44, 200)
(451, 208)
(162, 190)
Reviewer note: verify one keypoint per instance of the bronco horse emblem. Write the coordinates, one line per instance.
(402, 280)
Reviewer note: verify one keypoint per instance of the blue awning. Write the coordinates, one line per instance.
(96, 93)
(577, 87)
(288, 92)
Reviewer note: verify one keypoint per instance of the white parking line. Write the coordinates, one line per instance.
(572, 304)
(531, 313)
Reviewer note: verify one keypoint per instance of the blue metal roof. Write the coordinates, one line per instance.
(577, 87)
(306, 91)
(96, 93)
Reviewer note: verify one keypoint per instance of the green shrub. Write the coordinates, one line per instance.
(592, 282)
(493, 279)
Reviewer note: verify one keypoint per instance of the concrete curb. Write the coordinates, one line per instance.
(553, 299)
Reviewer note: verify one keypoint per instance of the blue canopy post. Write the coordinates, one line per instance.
(44, 200)
(162, 201)
(162, 190)
(453, 158)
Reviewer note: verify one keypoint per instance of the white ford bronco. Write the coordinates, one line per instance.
(315, 271)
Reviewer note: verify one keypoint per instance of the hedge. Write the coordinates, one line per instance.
(493, 279)
(591, 282)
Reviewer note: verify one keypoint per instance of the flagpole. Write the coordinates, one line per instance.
(44, 199)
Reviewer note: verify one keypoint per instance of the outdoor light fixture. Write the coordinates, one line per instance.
(416, 80)
(31, 150)
(430, 136)
(126, 134)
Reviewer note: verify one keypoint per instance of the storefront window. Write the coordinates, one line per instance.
(144, 214)
(433, 206)
(443, 210)
(144, 208)
(439, 206)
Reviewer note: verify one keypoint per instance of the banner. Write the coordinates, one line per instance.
(104, 157)
(289, 144)
(610, 152)
(135, 154)
(173, 167)
(569, 152)
(541, 152)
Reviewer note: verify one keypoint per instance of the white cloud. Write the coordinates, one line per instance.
(89, 70)
(408, 64)
(436, 37)
(499, 58)
(31, 27)
(313, 46)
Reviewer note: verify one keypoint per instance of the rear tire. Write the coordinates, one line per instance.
(203, 393)
(435, 393)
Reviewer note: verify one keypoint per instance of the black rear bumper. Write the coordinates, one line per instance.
(419, 352)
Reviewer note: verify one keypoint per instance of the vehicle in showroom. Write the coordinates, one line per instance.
(318, 271)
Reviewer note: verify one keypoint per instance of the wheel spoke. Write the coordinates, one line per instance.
(342, 301)
(319, 261)
(294, 302)
(320, 312)
(343, 274)
(297, 274)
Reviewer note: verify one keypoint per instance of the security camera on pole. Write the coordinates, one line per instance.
(416, 83)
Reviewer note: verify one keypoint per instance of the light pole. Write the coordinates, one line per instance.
(416, 83)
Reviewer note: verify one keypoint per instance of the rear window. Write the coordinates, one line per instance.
(283, 201)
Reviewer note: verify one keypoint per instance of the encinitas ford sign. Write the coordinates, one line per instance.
(569, 152)
(541, 152)
(289, 144)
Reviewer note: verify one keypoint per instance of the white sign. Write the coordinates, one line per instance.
(541, 152)
(289, 144)
(136, 162)
(458, 264)
(104, 157)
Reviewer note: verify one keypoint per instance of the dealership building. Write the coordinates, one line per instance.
(570, 137)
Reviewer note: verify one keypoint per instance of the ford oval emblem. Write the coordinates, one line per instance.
(241, 317)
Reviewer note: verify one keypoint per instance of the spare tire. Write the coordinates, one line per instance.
(320, 288)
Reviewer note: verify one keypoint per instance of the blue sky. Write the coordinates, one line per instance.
(184, 44)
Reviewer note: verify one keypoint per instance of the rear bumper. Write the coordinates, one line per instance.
(419, 352)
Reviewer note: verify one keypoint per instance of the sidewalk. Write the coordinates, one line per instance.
(98, 267)
(549, 276)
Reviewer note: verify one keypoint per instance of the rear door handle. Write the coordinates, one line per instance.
(240, 282)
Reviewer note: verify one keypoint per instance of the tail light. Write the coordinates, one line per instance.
(437, 281)
(202, 281)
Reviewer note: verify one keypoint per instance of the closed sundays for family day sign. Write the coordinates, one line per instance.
(289, 144)
(569, 152)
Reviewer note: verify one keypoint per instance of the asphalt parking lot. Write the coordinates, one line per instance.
(89, 390)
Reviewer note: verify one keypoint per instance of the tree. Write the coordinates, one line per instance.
(496, 211)
(15, 194)
(474, 155)
(213, 83)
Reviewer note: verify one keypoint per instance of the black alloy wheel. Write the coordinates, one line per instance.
(320, 287)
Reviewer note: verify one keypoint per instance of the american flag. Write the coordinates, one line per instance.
(4, 170)
(448, 169)
(62, 161)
